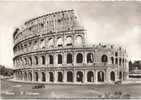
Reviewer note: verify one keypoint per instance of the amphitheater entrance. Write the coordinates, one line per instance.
(100, 76)
(36, 76)
(25, 76)
(112, 75)
(120, 75)
(69, 76)
(30, 76)
(60, 77)
(79, 76)
(90, 76)
(43, 77)
(51, 78)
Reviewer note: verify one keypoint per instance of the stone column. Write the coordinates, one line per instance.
(55, 77)
(96, 79)
(85, 76)
(65, 76)
(55, 59)
(74, 76)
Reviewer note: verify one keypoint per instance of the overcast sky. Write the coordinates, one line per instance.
(110, 22)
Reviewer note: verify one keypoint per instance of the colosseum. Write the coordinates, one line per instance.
(52, 49)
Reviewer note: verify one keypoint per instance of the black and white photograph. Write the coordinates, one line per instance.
(70, 49)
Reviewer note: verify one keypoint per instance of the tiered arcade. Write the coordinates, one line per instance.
(52, 48)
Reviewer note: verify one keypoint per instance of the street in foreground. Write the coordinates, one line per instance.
(12, 90)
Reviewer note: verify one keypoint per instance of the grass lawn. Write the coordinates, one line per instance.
(24, 90)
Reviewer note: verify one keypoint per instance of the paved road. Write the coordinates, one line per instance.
(24, 90)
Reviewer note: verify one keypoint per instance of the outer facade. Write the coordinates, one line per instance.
(52, 49)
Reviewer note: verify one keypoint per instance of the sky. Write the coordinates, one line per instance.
(109, 22)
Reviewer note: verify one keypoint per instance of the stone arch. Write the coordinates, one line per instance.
(25, 61)
(79, 40)
(50, 42)
(30, 60)
(43, 60)
(112, 76)
(90, 58)
(35, 44)
(68, 41)
(69, 76)
(120, 61)
(100, 76)
(79, 75)
(120, 75)
(36, 60)
(51, 77)
(59, 42)
(90, 76)
(20, 75)
(42, 43)
(25, 76)
(36, 76)
(69, 58)
(29, 76)
(60, 77)
(112, 60)
(51, 60)
(60, 59)
(79, 58)
(43, 76)
(116, 60)
(104, 58)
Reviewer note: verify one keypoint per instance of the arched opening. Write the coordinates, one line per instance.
(30, 60)
(90, 58)
(69, 76)
(112, 75)
(59, 59)
(50, 59)
(69, 41)
(25, 76)
(90, 76)
(78, 41)
(42, 44)
(116, 61)
(100, 76)
(51, 77)
(119, 61)
(35, 45)
(116, 53)
(50, 42)
(43, 60)
(20, 75)
(25, 61)
(36, 76)
(69, 58)
(43, 77)
(30, 76)
(79, 76)
(36, 60)
(104, 58)
(79, 58)
(59, 42)
(112, 59)
(120, 75)
(60, 77)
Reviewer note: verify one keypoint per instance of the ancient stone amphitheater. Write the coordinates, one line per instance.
(52, 49)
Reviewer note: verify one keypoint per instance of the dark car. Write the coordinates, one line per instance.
(118, 82)
(38, 86)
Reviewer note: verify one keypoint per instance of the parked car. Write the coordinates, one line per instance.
(118, 82)
(38, 86)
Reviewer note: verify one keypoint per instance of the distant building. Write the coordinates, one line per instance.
(135, 69)
(52, 48)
